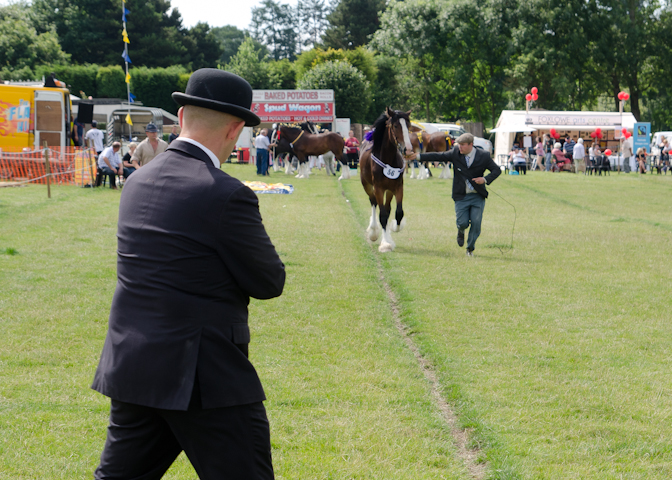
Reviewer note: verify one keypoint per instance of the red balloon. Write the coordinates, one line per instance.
(598, 130)
(534, 90)
(535, 97)
(628, 134)
(599, 134)
(620, 95)
(593, 134)
(528, 97)
(624, 131)
(553, 132)
(556, 136)
(607, 152)
(626, 96)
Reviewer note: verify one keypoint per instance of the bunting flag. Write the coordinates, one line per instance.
(124, 34)
(131, 97)
(128, 78)
(125, 56)
(128, 119)
(124, 13)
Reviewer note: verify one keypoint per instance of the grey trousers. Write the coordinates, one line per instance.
(469, 211)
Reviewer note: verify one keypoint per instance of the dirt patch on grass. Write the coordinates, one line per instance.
(468, 455)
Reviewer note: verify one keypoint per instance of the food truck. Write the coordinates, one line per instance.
(33, 114)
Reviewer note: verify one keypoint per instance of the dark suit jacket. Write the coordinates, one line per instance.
(191, 251)
(461, 172)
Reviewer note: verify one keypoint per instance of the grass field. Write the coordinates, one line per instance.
(555, 356)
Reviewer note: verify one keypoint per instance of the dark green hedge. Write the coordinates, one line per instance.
(151, 86)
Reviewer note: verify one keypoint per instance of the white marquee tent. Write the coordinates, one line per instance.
(538, 122)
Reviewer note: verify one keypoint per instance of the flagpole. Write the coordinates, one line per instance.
(126, 61)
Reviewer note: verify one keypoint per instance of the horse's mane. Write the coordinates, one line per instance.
(379, 127)
(291, 129)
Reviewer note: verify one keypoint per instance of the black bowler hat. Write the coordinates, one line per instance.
(219, 90)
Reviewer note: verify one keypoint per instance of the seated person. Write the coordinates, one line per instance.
(602, 163)
(126, 161)
(641, 159)
(109, 163)
(561, 162)
(518, 160)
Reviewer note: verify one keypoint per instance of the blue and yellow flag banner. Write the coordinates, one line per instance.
(125, 56)
(124, 34)
(123, 15)
(128, 78)
(132, 97)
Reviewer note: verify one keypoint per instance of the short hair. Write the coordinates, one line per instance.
(116, 144)
(132, 145)
(557, 145)
(206, 118)
(580, 140)
(465, 139)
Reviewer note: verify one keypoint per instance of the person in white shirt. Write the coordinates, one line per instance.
(628, 154)
(94, 137)
(109, 164)
(262, 143)
(579, 156)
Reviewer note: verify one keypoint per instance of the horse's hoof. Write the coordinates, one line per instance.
(393, 226)
(385, 247)
(372, 234)
(402, 224)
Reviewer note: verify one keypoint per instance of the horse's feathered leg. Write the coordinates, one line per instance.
(399, 221)
(384, 202)
(373, 230)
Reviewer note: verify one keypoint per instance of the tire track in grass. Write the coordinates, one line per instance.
(469, 456)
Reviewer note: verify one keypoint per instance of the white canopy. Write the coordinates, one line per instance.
(519, 121)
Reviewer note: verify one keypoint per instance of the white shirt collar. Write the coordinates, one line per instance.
(213, 157)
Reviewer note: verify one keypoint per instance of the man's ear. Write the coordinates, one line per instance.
(233, 132)
(180, 115)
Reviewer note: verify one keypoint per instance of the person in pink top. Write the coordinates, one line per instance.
(351, 145)
(560, 160)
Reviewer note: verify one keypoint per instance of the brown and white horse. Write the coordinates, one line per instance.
(303, 144)
(435, 142)
(382, 174)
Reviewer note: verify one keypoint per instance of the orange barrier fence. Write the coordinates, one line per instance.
(68, 166)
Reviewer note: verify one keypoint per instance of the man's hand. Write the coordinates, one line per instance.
(479, 180)
(410, 156)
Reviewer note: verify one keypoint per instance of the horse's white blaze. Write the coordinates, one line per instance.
(407, 138)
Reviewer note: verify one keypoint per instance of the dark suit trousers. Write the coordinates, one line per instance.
(231, 443)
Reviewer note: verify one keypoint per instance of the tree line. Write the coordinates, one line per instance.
(447, 60)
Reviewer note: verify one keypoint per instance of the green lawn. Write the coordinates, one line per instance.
(555, 355)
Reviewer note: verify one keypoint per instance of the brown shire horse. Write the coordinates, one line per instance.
(382, 173)
(435, 142)
(304, 144)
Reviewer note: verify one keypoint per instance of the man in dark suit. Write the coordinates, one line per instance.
(469, 192)
(191, 251)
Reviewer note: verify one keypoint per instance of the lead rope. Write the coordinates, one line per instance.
(515, 215)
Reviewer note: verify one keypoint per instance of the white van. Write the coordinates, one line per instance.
(656, 138)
